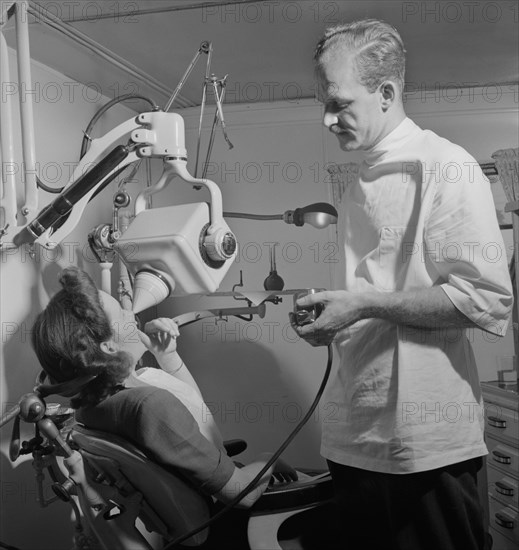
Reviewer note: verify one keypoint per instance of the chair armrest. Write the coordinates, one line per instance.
(234, 446)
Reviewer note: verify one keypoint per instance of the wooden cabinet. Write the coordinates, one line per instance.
(502, 438)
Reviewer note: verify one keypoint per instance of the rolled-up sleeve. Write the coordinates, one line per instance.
(465, 247)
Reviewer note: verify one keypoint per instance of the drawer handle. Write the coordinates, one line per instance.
(496, 422)
(504, 489)
(502, 458)
(505, 522)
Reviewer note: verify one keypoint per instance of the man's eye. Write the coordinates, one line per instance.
(336, 107)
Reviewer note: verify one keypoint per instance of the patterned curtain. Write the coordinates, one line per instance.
(507, 165)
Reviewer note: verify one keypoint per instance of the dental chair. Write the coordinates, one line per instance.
(123, 500)
(288, 515)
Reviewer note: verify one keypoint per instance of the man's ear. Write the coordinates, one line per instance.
(388, 94)
(109, 347)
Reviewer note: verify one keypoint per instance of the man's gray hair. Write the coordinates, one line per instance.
(377, 47)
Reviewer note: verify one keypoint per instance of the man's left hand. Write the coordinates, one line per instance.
(341, 309)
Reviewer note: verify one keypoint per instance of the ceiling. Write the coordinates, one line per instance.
(265, 47)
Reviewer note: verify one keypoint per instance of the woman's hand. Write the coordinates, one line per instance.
(160, 336)
(283, 472)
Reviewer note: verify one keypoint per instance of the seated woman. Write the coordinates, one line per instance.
(84, 331)
(159, 337)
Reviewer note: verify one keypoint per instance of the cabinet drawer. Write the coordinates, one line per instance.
(503, 456)
(503, 487)
(500, 542)
(502, 422)
(504, 519)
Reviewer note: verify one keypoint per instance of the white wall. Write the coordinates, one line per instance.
(62, 109)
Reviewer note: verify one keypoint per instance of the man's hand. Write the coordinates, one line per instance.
(341, 309)
(429, 309)
(160, 336)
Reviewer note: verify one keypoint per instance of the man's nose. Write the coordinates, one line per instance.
(329, 119)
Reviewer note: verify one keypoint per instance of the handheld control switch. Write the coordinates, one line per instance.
(304, 315)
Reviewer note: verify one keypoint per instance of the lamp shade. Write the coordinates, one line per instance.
(319, 215)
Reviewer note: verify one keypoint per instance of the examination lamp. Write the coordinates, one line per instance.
(319, 215)
(165, 241)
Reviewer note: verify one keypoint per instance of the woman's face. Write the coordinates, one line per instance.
(126, 335)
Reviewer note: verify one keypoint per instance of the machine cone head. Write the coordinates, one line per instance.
(150, 288)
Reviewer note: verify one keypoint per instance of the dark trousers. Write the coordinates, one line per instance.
(229, 532)
(434, 510)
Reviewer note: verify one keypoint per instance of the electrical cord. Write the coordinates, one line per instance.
(102, 111)
(87, 138)
(271, 461)
(48, 189)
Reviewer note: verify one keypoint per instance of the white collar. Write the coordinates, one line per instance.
(390, 142)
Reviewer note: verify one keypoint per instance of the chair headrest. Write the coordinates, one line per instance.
(65, 389)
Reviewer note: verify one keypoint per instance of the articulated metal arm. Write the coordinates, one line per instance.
(88, 172)
(149, 135)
